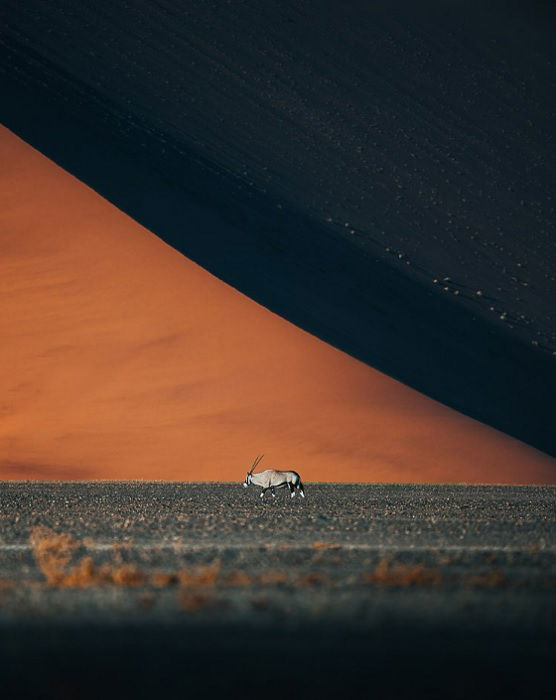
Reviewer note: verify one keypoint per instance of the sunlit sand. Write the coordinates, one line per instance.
(122, 359)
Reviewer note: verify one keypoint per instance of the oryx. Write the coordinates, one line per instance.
(272, 479)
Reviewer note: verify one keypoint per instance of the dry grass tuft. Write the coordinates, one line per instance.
(54, 552)
(238, 578)
(202, 576)
(192, 600)
(57, 558)
(272, 578)
(163, 579)
(386, 574)
(127, 575)
(81, 575)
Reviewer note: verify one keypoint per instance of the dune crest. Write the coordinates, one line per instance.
(122, 359)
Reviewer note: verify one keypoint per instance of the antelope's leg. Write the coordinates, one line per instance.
(273, 492)
(301, 489)
(263, 493)
(292, 489)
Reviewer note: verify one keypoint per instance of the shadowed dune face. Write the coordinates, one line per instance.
(122, 359)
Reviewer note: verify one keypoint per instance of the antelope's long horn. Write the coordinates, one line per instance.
(257, 460)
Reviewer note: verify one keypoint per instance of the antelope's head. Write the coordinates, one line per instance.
(249, 474)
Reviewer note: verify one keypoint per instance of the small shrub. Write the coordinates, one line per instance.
(386, 574)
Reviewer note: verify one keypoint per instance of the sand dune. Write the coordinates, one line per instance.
(120, 358)
(380, 174)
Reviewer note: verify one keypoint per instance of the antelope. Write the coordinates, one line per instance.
(272, 479)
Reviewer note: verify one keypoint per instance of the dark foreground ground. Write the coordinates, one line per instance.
(150, 589)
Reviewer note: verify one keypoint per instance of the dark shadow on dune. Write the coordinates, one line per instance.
(272, 246)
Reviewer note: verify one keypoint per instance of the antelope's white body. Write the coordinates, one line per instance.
(272, 479)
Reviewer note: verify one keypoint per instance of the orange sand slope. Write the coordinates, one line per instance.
(121, 359)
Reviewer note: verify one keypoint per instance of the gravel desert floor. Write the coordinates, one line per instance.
(394, 590)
